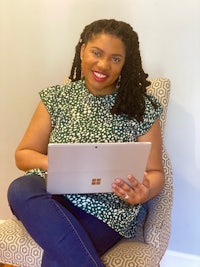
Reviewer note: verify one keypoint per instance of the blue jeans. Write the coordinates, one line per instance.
(69, 236)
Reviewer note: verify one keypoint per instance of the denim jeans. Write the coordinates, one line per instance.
(69, 236)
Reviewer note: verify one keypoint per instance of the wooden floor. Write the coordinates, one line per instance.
(6, 265)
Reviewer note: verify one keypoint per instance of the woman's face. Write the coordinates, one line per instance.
(102, 60)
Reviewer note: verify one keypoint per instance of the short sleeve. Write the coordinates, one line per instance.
(52, 98)
(153, 111)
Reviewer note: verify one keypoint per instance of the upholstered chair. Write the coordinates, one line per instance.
(153, 232)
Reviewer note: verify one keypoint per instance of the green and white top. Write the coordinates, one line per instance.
(77, 116)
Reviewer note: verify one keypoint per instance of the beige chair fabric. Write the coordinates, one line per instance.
(145, 250)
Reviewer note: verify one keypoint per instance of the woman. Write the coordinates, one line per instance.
(106, 101)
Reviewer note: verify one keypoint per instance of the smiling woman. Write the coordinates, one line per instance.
(106, 101)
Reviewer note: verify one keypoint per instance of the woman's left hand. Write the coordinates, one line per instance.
(133, 193)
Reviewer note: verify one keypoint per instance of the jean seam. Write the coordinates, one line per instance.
(76, 234)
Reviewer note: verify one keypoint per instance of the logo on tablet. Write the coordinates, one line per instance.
(96, 181)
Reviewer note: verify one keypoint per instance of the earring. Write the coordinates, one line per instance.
(118, 82)
(74, 75)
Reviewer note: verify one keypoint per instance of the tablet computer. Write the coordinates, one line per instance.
(92, 167)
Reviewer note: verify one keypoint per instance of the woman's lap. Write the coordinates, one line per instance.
(50, 219)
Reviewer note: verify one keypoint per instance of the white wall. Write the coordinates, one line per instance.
(36, 49)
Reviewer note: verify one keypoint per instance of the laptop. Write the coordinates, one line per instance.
(93, 167)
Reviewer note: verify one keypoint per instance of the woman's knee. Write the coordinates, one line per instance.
(14, 189)
(22, 188)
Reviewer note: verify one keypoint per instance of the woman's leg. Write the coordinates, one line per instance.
(55, 229)
(102, 236)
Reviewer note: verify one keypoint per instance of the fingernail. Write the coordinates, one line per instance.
(113, 185)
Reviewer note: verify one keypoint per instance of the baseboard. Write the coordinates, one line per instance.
(178, 259)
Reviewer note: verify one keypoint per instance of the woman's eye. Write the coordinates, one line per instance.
(116, 59)
(96, 53)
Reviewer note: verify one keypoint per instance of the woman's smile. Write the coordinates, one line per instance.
(99, 76)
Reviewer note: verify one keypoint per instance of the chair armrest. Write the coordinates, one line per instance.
(158, 222)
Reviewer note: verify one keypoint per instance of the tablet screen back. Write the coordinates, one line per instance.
(92, 167)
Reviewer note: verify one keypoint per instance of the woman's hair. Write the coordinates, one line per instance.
(132, 89)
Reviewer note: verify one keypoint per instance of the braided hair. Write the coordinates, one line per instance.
(132, 89)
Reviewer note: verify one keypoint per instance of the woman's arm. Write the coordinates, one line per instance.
(154, 176)
(154, 169)
(32, 150)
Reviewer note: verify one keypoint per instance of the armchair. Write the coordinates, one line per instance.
(153, 232)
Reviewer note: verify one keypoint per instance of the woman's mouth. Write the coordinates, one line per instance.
(100, 77)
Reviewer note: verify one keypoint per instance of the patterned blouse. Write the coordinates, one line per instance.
(77, 116)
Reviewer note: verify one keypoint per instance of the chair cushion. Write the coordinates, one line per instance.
(129, 253)
(18, 248)
(16, 245)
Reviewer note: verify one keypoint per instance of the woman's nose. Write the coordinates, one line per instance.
(103, 63)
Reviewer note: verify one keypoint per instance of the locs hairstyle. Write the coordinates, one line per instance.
(132, 89)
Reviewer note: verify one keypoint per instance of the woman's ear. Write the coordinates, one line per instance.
(82, 51)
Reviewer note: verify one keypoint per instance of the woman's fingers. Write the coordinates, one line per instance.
(132, 191)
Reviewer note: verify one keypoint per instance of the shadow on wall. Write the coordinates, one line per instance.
(185, 235)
